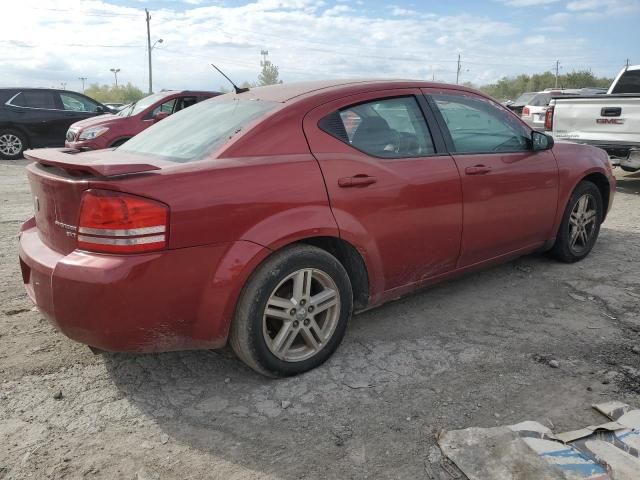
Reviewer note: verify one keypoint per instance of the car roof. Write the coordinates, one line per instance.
(286, 92)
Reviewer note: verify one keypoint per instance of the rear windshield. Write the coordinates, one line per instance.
(629, 82)
(524, 98)
(192, 133)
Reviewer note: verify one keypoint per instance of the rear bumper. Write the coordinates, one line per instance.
(172, 300)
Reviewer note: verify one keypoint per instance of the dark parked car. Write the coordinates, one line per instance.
(40, 117)
(265, 218)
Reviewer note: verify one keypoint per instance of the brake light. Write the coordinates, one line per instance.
(548, 118)
(525, 111)
(116, 222)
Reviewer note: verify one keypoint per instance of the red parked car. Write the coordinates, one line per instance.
(260, 219)
(112, 130)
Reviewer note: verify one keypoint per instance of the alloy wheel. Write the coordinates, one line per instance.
(10, 144)
(301, 315)
(582, 223)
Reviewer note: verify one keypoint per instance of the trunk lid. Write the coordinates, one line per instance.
(58, 177)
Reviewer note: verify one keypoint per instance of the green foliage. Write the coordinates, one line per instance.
(269, 74)
(510, 88)
(111, 94)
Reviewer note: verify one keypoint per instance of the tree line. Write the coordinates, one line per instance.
(510, 88)
(507, 88)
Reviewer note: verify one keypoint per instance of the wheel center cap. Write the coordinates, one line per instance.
(302, 313)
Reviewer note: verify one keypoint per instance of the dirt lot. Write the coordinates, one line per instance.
(471, 352)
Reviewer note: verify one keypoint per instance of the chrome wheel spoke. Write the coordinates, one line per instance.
(575, 233)
(302, 285)
(324, 300)
(590, 216)
(285, 337)
(309, 339)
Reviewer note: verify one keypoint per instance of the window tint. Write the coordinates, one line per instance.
(477, 125)
(77, 103)
(388, 128)
(541, 100)
(186, 102)
(166, 107)
(192, 133)
(629, 82)
(35, 99)
(524, 99)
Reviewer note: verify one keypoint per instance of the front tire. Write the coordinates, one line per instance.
(293, 312)
(580, 224)
(12, 144)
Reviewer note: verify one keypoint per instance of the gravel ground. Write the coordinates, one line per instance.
(476, 351)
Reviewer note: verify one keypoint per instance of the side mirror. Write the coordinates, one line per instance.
(100, 109)
(159, 116)
(541, 141)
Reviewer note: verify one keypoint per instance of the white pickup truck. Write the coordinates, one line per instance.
(610, 121)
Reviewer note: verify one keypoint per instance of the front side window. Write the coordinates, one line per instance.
(35, 99)
(77, 103)
(166, 107)
(386, 128)
(190, 134)
(477, 125)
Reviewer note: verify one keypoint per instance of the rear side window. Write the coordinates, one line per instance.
(35, 99)
(385, 128)
(476, 125)
(192, 133)
(629, 82)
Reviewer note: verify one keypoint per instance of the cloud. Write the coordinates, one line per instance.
(306, 39)
(535, 40)
(594, 8)
(528, 3)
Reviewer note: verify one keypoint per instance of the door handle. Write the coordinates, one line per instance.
(477, 170)
(356, 181)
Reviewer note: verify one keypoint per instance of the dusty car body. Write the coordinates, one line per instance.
(313, 200)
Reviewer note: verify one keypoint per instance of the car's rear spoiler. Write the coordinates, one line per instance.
(66, 159)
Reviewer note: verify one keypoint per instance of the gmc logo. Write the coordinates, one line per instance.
(610, 121)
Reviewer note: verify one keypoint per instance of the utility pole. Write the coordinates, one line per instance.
(115, 74)
(458, 70)
(557, 72)
(264, 62)
(149, 50)
(82, 79)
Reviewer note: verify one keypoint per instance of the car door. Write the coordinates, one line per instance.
(510, 191)
(393, 190)
(35, 111)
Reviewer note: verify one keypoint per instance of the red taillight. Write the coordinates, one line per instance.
(548, 119)
(525, 111)
(117, 222)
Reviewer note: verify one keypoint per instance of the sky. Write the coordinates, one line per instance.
(54, 43)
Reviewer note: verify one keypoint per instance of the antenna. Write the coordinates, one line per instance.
(235, 87)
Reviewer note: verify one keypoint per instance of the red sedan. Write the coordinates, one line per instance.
(266, 218)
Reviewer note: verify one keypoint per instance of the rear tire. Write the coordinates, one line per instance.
(580, 224)
(12, 144)
(293, 312)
